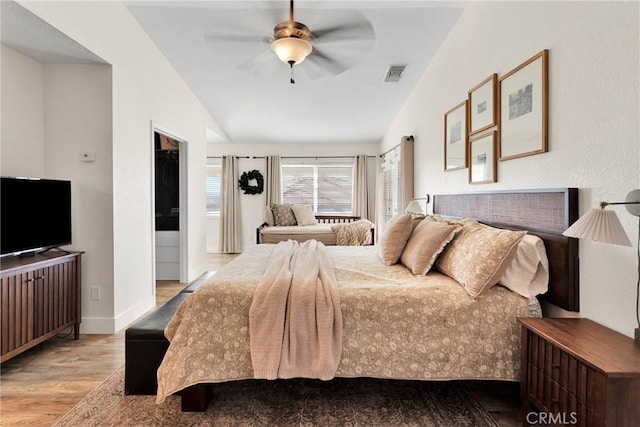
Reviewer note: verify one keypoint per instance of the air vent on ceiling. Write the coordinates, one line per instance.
(394, 73)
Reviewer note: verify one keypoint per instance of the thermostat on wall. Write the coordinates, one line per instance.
(88, 156)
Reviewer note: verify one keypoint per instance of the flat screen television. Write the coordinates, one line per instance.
(35, 214)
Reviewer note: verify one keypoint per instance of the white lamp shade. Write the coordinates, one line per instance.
(414, 208)
(601, 225)
(291, 49)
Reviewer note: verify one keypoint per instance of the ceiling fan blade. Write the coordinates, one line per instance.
(236, 38)
(264, 64)
(341, 33)
(348, 26)
(321, 60)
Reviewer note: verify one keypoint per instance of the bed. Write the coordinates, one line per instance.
(396, 325)
(324, 230)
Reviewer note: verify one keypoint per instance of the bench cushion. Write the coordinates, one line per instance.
(145, 346)
(152, 325)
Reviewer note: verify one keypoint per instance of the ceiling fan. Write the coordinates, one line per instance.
(293, 43)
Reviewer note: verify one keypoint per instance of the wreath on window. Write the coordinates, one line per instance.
(246, 177)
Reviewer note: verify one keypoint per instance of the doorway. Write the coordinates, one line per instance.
(169, 211)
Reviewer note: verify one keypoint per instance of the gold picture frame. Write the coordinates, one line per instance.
(456, 137)
(483, 165)
(483, 105)
(524, 108)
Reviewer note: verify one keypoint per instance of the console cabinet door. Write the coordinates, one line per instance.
(17, 311)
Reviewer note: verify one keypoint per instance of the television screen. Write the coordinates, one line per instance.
(34, 214)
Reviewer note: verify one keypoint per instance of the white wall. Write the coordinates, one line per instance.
(145, 88)
(593, 127)
(22, 115)
(252, 206)
(77, 115)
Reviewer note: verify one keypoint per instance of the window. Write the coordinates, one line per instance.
(325, 183)
(390, 184)
(214, 180)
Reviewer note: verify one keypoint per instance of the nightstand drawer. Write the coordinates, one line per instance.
(549, 363)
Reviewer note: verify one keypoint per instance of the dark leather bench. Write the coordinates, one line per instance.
(145, 343)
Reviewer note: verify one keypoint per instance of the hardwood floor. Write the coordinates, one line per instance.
(42, 384)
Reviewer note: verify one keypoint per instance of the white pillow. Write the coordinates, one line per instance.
(304, 215)
(528, 273)
(268, 216)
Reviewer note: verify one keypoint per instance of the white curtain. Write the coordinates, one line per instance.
(273, 186)
(230, 219)
(363, 199)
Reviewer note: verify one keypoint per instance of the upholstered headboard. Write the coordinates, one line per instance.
(545, 213)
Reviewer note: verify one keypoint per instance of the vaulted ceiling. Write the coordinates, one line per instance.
(221, 51)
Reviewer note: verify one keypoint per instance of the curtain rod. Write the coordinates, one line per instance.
(294, 157)
(390, 150)
(237, 157)
(410, 137)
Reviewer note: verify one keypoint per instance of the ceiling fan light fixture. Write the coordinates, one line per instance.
(291, 50)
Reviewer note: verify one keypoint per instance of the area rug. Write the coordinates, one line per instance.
(299, 402)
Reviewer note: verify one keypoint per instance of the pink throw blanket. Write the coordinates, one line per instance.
(295, 322)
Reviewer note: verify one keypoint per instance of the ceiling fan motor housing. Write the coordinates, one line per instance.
(291, 29)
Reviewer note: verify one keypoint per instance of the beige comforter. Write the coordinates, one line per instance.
(295, 323)
(395, 325)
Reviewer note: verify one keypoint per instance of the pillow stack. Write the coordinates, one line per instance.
(475, 255)
(285, 215)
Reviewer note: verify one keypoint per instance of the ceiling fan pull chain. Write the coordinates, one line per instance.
(291, 64)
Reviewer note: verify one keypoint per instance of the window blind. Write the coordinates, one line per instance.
(324, 183)
(390, 184)
(214, 180)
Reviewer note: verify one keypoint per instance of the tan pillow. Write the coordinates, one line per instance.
(428, 239)
(394, 238)
(479, 255)
(283, 215)
(304, 215)
(268, 216)
(528, 273)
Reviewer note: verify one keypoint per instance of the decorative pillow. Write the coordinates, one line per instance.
(268, 216)
(479, 255)
(283, 215)
(428, 239)
(304, 215)
(417, 219)
(528, 273)
(394, 238)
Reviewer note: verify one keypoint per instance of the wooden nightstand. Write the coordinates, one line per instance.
(577, 372)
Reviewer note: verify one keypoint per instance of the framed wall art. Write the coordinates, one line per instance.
(524, 108)
(483, 105)
(455, 137)
(483, 167)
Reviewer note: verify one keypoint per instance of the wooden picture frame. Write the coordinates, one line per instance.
(456, 137)
(483, 165)
(483, 105)
(524, 108)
